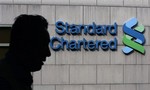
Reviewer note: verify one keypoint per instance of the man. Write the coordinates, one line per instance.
(29, 47)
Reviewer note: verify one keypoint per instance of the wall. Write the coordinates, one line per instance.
(87, 70)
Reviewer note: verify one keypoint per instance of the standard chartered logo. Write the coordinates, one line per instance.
(133, 38)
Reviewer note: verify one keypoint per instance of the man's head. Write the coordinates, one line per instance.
(29, 41)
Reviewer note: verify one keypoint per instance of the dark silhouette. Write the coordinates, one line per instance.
(27, 51)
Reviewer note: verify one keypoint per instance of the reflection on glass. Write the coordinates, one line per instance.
(5, 34)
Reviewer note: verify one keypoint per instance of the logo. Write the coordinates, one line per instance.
(133, 38)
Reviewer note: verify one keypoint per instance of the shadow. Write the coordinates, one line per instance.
(29, 47)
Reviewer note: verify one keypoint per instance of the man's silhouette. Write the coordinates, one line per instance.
(27, 51)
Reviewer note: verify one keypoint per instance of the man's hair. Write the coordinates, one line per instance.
(28, 30)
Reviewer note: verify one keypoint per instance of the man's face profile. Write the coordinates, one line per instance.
(38, 54)
(30, 41)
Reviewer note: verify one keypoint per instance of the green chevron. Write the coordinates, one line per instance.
(136, 46)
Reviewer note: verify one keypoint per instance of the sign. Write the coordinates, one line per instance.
(133, 38)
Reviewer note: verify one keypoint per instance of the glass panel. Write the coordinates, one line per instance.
(5, 34)
(3, 51)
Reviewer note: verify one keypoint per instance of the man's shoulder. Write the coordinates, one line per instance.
(4, 84)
